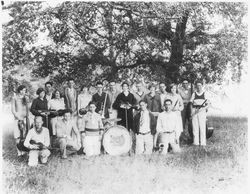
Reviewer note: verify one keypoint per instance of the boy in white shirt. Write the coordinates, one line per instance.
(167, 129)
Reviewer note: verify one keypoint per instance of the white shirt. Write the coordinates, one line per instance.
(83, 100)
(163, 96)
(42, 137)
(65, 128)
(56, 104)
(91, 121)
(144, 122)
(167, 122)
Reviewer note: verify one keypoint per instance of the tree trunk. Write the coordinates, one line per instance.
(176, 56)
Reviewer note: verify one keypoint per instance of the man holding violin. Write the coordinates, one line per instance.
(37, 142)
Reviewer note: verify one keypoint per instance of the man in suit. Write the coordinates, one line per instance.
(144, 128)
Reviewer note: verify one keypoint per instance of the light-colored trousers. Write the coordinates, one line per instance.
(144, 144)
(199, 128)
(169, 138)
(70, 144)
(34, 155)
(179, 124)
(53, 122)
(92, 145)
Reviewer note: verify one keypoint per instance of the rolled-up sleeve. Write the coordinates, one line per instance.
(159, 126)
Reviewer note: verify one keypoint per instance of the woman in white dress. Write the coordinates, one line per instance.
(56, 103)
(178, 106)
(83, 99)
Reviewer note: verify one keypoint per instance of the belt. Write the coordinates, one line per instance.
(197, 106)
(144, 133)
(92, 130)
(168, 132)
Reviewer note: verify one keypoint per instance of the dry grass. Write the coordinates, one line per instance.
(221, 168)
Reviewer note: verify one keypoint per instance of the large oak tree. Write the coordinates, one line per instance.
(162, 41)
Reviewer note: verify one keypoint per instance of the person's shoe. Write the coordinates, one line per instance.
(80, 151)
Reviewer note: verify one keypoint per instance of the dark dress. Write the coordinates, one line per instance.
(99, 101)
(39, 105)
(122, 99)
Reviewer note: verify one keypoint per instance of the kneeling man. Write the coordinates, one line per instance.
(167, 129)
(91, 128)
(67, 134)
(144, 128)
(38, 141)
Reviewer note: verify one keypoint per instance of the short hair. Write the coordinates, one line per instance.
(54, 93)
(142, 101)
(39, 91)
(36, 117)
(112, 81)
(198, 81)
(83, 86)
(99, 83)
(21, 87)
(125, 83)
(151, 86)
(185, 80)
(92, 102)
(168, 100)
(50, 83)
(70, 79)
(172, 85)
(162, 83)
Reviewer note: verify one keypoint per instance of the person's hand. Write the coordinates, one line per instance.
(34, 147)
(43, 113)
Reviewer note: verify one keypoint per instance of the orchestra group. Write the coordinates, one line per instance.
(77, 121)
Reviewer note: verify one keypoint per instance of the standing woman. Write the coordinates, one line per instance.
(178, 106)
(56, 103)
(123, 104)
(83, 100)
(40, 106)
(200, 105)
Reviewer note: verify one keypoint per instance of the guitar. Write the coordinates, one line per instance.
(199, 109)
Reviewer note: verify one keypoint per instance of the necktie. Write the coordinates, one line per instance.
(142, 118)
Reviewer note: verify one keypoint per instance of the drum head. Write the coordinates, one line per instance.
(117, 140)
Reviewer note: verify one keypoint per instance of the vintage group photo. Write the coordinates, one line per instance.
(124, 97)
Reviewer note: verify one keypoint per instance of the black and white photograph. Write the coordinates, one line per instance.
(124, 97)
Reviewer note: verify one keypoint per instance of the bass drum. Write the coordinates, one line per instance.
(116, 140)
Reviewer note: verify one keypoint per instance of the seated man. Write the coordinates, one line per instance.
(167, 129)
(144, 128)
(91, 128)
(38, 141)
(66, 131)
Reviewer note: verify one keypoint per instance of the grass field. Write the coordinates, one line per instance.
(221, 168)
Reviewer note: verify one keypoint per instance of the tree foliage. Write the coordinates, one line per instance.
(125, 40)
